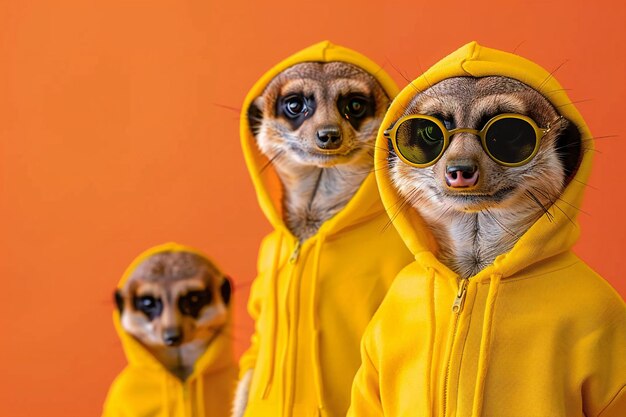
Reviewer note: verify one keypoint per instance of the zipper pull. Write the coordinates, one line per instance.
(460, 297)
(296, 252)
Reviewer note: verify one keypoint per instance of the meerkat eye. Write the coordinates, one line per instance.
(431, 134)
(294, 106)
(447, 121)
(192, 303)
(356, 107)
(149, 305)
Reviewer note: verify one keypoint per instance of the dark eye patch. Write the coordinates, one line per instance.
(295, 108)
(355, 108)
(119, 300)
(447, 120)
(151, 306)
(193, 302)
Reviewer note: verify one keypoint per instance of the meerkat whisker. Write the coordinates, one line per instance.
(552, 201)
(558, 90)
(571, 103)
(553, 198)
(502, 226)
(517, 47)
(404, 204)
(271, 161)
(593, 187)
(224, 106)
(550, 75)
(534, 198)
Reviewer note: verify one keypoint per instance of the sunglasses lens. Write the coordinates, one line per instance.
(511, 140)
(419, 140)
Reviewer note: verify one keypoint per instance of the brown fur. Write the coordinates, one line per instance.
(168, 276)
(317, 183)
(473, 226)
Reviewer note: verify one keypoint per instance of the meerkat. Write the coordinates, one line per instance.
(174, 304)
(317, 123)
(481, 163)
(476, 207)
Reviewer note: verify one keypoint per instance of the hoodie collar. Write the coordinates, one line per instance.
(366, 201)
(547, 237)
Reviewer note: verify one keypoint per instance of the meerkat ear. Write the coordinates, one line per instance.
(569, 147)
(225, 290)
(255, 115)
(119, 301)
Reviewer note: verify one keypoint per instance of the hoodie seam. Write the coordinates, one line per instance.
(538, 274)
(336, 234)
(612, 401)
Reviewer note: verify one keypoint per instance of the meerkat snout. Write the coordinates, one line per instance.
(328, 137)
(461, 174)
(172, 336)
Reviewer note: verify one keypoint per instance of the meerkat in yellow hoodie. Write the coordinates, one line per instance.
(307, 129)
(488, 159)
(174, 321)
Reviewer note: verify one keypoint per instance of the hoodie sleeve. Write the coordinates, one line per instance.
(249, 357)
(117, 402)
(255, 302)
(365, 400)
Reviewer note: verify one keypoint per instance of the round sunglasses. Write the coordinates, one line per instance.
(509, 139)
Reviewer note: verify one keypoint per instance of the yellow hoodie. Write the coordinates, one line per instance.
(540, 333)
(311, 302)
(146, 388)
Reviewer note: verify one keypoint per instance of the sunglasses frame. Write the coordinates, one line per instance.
(447, 134)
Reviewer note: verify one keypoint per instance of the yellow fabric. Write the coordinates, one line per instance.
(540, 334)
(310, 312)
(146, 388)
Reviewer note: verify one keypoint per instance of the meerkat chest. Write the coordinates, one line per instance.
(315, 199)
(181, 360)
(470, 242)
(304, 216)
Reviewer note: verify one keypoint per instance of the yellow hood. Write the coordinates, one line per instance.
(547, 237)
(145, 386)
(267, 184)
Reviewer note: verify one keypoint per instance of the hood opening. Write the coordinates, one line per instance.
(570, 149)
(267, 184)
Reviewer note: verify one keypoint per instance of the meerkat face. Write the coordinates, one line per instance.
(465, 178)
(319, 114)
(173, 298)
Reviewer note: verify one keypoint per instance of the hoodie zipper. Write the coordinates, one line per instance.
(292, 327)
(457, 307)
(296, 252)
(459, 301)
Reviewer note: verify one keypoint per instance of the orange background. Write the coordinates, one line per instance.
(116, 134)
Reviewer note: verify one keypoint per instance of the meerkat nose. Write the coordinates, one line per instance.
(328, 137)
(172, 336)
(461, 175)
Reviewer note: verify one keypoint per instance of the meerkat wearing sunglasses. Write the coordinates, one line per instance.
(174, 303)
(478, 198)
(317, 123)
